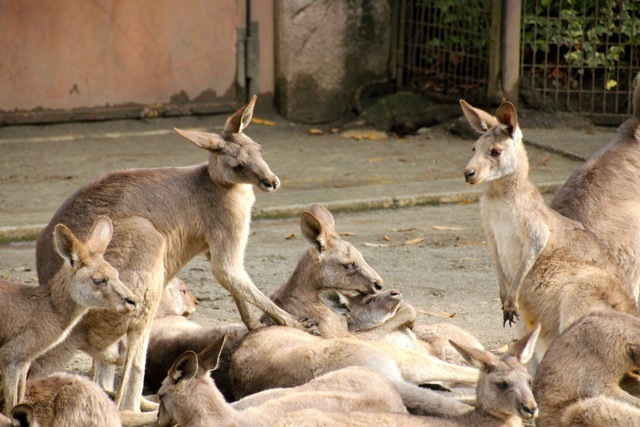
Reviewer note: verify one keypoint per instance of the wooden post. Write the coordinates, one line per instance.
(511, 49)
(495, 54)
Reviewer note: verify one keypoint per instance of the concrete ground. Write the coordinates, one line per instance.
(403, 202)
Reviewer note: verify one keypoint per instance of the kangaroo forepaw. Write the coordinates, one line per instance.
(310, 326)
(509, 315)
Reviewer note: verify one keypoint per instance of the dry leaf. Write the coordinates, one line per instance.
(589, 132)
(403, 229)
(347, 233)
(335, 130)
(385, 238)
(375, 160)
(437, 314)
(316, 131)
(290, 236)
(375, 245)
(545, 160)
(263, 122)
(414, 241)
(446, 228)
(365, 134)
(501, 350)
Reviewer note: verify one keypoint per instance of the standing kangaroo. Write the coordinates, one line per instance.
(189, 396)
(604, 195)
(551, 270)
(163, 217)
(35, 319)
(589, 360)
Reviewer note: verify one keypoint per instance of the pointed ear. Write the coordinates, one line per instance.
(525, 347)
(100, 235)
(241, 118)
(67, 244)
(314, 231)
(323, 215)
(476, 357)
(336, 301)
(208, 141)
(507, 117)
(184, 368)
(478, 119)
(210, 355)
(22, 414)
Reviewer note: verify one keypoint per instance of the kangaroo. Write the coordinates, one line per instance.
(604, 195)
(188, 395)
(551, 270)
(163, 217)
(35, 319)
(588, 360)
(503, 396)
(176, 300)
(386, 317)
(600, 411)
(329, 263)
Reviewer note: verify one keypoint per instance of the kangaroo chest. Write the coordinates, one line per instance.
(501, 222)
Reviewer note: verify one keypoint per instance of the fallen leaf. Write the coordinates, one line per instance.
(365, 134)
(545, 160)
(375, 245)
(375, 160)
(446, 228)
(437, 314)
(385, 238)
(290, 236)
(414, 241)
(590, 132)
(347, 233)
(403, 229)
(316, 131)
(263, 122)
(335, 130)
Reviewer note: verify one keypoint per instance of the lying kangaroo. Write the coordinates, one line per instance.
(188, 395)
(503, 396)
(600, 411)
(589, 359)
(551, 270)
(604, 195)
(163, 217)
(35, 319)
(386, 317)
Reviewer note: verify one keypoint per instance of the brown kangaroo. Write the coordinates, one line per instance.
(604, 195)
(588, 360)
(188, 395)
(551, 270)
(503, 396)
(35, 319)
(163, 217)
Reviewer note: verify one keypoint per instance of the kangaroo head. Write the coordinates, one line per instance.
(364, 312)
(235, 158)
(93, 282)
(504, 385)
(176, 299)
(187, 381)
(499, 150)
(341, 264)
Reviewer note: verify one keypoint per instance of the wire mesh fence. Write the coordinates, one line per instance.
(580, 55)
(444, 48)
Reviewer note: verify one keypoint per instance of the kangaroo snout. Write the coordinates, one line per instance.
(529, 411)
(272, 184)
(469, 174)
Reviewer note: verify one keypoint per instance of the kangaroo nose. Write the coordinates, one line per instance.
(132, 303)
(394, 292)
(468, 174)
(377, 285)
(270, 185)
(530, 411)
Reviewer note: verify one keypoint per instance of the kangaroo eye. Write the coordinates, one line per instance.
(495, 152)
(349, 266)
(502, 385)
(99, 281)
(238, 167)
(473, 149)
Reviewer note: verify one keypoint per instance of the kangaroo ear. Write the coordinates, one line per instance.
(525, 347)
(507, 117)
(478, 119)
(210, 356)
(209, 141)
(67, 244)
(185, 368)
(336, 301)
(22, 414)
(241, 118)
(314, 231)
(476, 357)
(100, 235)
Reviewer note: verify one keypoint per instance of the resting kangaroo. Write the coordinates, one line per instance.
(188, 395)
(503, 396)
(589, 359)
(604, 195)
(35, 319)
(162, 218)
(551, 270)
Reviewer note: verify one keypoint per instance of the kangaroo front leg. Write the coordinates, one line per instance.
(12, 375)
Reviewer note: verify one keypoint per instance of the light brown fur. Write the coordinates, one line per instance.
(600, 411)
(551, 270)
(604, 195)
(189, 396)
(589, 359)
(35, 319)
(163, 217)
